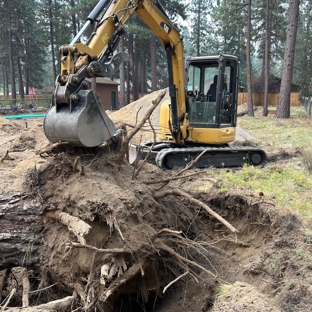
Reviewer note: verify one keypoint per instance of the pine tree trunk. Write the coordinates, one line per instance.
(12, 72)
(122, 76)
(20, 79)
(283, 108)
(128, 68)
(266, 59)
(136, 80)
(248, 61)
(153, 64)
(52, 39)
(143, 73)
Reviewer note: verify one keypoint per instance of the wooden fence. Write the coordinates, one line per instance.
(258, 99)
(33, 99)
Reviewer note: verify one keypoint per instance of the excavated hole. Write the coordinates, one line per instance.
(225, 256)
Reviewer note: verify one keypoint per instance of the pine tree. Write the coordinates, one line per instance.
(283, 108)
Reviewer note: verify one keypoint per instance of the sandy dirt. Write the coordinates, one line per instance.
(159, 253)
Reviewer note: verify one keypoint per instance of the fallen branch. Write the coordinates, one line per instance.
(197, 202)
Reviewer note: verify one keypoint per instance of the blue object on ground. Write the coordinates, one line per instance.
(24, 116)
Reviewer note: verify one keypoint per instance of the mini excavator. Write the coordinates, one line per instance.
(200, 115)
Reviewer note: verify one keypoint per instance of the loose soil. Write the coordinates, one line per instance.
(127, 249)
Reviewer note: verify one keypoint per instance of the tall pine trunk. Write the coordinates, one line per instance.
(52, 39)
(266, 59)
(283, 108)
(143, 73)
(135, 74)
(128, 67)
(13, 89)
(20, 79)
(248, 61)
(122, 76)
(153, 64)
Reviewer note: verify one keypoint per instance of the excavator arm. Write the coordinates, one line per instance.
(77, 115)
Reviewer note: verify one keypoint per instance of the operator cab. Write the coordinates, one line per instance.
(212, 91)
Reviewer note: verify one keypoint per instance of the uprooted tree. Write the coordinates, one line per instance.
(83, 233)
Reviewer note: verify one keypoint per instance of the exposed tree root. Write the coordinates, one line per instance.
(127, 139)
(6, 157)
(56, 305)
(197, 202)
(74, 224)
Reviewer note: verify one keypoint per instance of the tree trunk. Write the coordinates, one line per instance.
(266, 59)
(73, 18)
(248, 61)
(128, 68)
(283, 108)
(143, 73)
(153, 64)
(13, 89)
(52, 39)
(20, 79)
(5, 80)
(122, 76)
(135, 79)
(20, 222)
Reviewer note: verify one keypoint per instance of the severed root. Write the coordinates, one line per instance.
(197, 202)
(172, 178)
(127, 139)
(74, 224)
(129, 274)
(26, 288)
(6, 157)
(56, 305)
(174, 281)
(75, 166)
(48, 149)
(115, 267)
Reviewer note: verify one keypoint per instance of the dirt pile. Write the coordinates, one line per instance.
(93, 238)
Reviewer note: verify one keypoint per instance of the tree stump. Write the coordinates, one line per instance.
(20, 222)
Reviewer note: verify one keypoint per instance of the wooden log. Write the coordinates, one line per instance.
(20, 223)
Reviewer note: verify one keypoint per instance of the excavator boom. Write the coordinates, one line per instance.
(200, 116)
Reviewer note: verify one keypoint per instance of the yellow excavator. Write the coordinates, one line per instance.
(201, 114)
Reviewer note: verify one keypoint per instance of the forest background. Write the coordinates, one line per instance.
(254, 30)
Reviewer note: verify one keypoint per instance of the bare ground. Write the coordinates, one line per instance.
(142, 252)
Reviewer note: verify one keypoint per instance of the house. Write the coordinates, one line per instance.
(274, 85)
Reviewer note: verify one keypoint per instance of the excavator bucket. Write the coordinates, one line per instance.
(82, 123)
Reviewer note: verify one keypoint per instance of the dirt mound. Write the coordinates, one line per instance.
(81, 230)
(133, 112)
